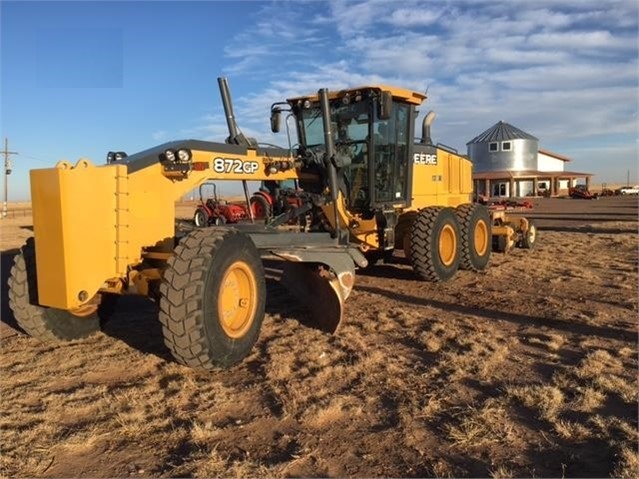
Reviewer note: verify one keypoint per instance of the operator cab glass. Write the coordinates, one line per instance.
(377, 175)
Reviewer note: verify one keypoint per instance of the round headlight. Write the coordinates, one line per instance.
(184, 155)
(120, 155)
(110, 157)
(169, 155)
(306, 104)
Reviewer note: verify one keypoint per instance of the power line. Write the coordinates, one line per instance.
(32, 158)
(7, 172)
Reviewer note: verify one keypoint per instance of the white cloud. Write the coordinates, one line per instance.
(407, 17)
(565, 71)
(597, 39)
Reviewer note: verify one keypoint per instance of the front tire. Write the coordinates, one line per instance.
(43, 323)
(212, 298)
(476, 237)
(434, 244)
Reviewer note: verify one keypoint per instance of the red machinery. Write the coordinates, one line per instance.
(214, 211)
(581, 192)
(275, 198)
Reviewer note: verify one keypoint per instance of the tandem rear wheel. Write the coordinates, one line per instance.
(212, 298)
(44, 323)
(433, 244)
(476, 236)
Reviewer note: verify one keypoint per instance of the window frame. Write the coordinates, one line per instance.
(495, 144)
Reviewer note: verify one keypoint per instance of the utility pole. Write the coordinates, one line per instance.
(7, 172)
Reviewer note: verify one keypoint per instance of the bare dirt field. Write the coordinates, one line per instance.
(526, 370)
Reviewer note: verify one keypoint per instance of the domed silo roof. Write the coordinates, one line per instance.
(503, 147)
(502, 131)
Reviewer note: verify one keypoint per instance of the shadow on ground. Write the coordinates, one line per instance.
(6, 262)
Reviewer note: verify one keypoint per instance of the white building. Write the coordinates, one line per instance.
(507, 163)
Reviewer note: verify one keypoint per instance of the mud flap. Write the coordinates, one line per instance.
(320, 281)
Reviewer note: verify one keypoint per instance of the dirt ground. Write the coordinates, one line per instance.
(526, 370)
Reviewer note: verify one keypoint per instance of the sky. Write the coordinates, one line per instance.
(79, 79)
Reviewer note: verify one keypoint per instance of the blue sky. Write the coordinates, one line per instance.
(82, 78)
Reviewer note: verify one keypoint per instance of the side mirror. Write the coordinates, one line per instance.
(385, 105)
(275, 120)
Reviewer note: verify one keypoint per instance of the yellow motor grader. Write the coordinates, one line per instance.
(367, 189)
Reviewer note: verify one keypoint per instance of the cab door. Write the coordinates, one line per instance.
(389, 171)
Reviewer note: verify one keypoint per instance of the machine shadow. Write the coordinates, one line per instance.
(6, 262)
(399, 268)
(135, 320)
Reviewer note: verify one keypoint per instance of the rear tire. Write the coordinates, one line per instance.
(260, 207)
(41, 322)
(476, 237)
(201, 218)
(212, 298)
(434, 244)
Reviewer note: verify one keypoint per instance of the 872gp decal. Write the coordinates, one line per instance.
(233, 165)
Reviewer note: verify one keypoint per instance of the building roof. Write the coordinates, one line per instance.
(527, 174)
(501, 131)
(554, 155)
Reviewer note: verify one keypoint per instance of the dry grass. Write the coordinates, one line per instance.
(627, 464)
(476, 427)
(488, 375)
(547, 401)
(501, 472)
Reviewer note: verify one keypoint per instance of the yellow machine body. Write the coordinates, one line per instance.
(448, 182)
(362, 188)
(93, 223)
(96, 225)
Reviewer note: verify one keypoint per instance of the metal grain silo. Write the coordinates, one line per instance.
(503, 148)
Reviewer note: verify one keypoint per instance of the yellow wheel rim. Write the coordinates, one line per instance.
(84, 310)
(447, 245)
(237, 300)
(480, 238)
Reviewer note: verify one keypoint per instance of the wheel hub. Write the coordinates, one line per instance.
(481, 239)
(447, 245)
(236, 300)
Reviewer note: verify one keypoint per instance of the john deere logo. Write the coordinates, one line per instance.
(424, 159)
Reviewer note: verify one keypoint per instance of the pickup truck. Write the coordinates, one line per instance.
(628, 190)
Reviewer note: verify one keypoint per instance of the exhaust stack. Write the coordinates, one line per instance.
(428, 120)
(236, 137)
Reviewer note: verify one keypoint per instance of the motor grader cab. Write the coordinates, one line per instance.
(393, 192)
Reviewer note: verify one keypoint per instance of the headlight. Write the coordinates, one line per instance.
(184, 155)
(120, 155)
(110, 157)
(169, 155)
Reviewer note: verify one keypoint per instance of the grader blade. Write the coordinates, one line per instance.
(322, 282)
(321, 295)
